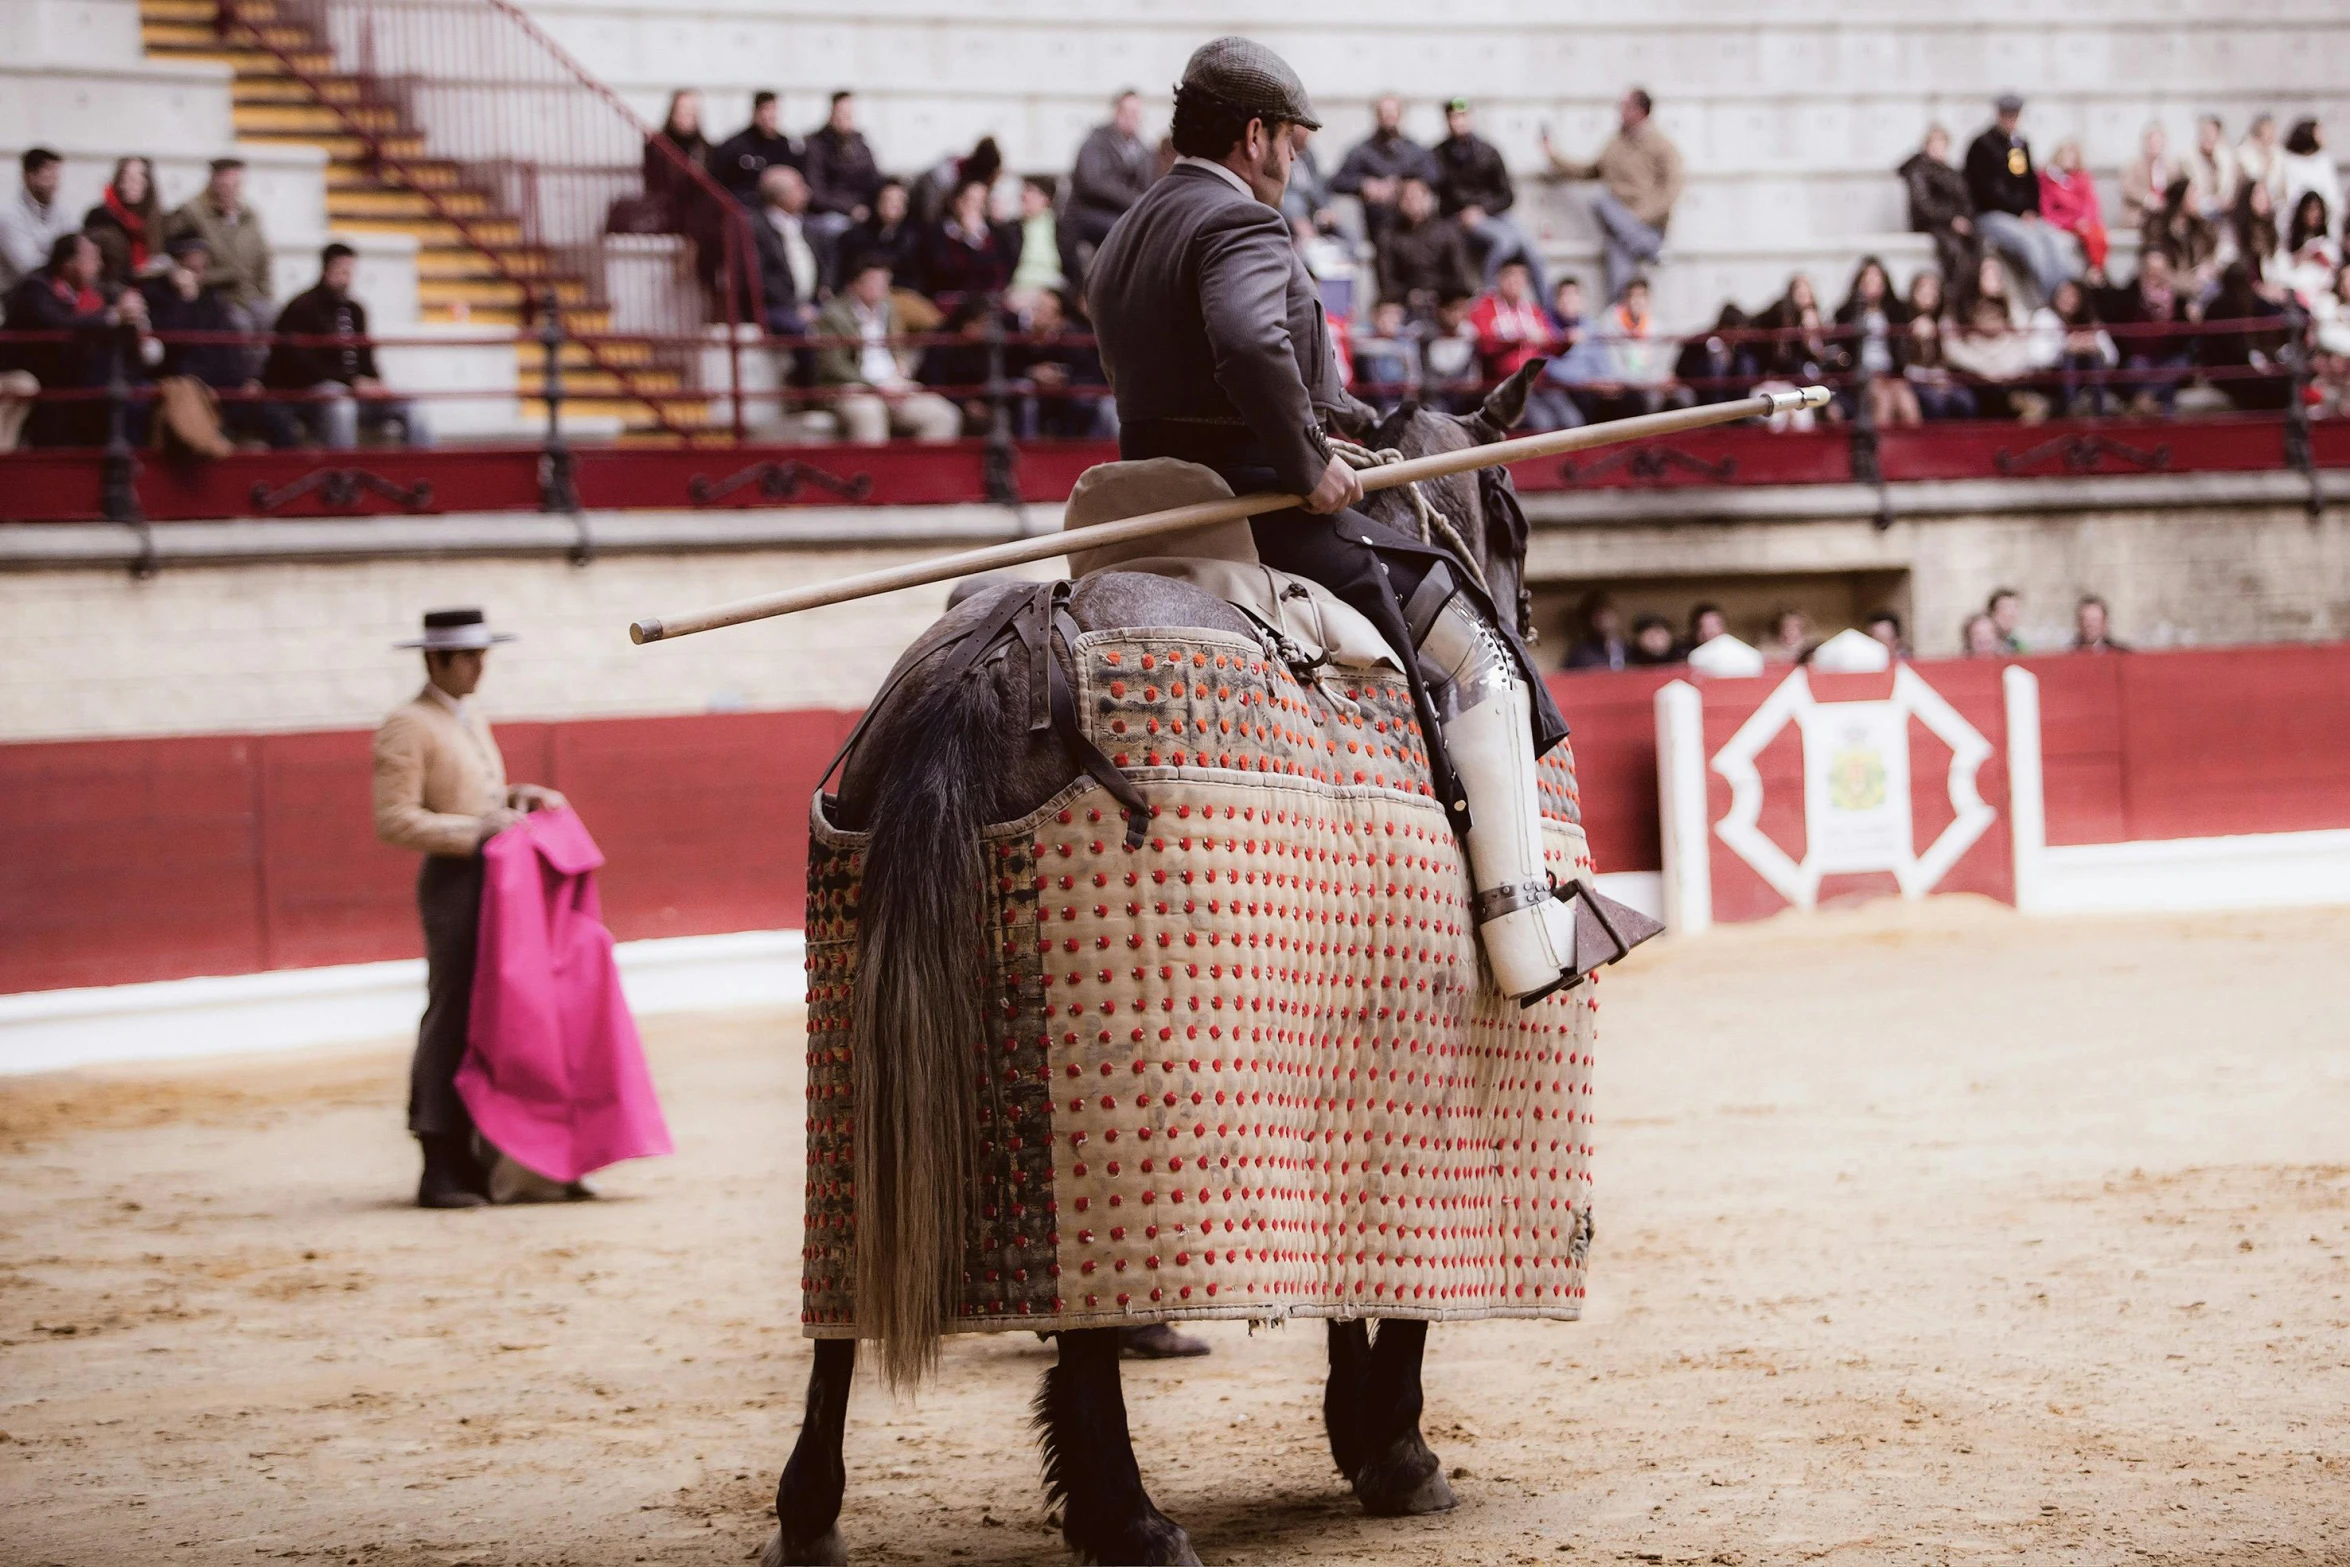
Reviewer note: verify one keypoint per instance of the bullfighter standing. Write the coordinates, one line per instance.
(1217, 349)
(441, 790)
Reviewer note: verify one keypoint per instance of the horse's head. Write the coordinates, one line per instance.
(1482, 507)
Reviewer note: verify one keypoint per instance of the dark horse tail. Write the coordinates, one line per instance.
(917, 1026)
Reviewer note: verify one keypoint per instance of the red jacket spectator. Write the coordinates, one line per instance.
(1510, 332)
(2068, 200)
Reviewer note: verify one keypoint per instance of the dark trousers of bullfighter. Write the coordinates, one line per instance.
(448, 896)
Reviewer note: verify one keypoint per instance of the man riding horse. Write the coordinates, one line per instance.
(1213, 335)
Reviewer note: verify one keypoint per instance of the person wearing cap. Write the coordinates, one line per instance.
(1474, 190)
(1642, 172)
(2006, 192)
(236, 246)
(441, 791)
(1217, 349)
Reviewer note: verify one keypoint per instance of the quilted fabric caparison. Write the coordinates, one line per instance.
(1252, 1068)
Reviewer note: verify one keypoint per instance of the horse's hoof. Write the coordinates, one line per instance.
(1153, 1540)
(826, 1550)
(1404, 1481)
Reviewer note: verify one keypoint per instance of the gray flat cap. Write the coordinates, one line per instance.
(1247, 75)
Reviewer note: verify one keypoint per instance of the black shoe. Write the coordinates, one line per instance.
(451, 1177)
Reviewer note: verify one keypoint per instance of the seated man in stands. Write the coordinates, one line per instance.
(738, 161)
(1512, 327)
(1376, 168)
(1939, 204)
(843, 177)
(322, 348)
(1473, 189)
(31, 225)
(1642, 171)
(234, 241)
(2150, 319)
(180, 301)
(1069, 396)
(60, 302)
(2091, 631)
(2006, 193)
(873, 393)
(1423, 256)
(791, 252)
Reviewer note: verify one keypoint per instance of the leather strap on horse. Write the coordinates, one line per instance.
(1082, 751)
(963, 651)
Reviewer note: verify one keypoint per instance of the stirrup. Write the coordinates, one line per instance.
(1605, 931)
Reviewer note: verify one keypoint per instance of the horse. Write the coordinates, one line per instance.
(939, 759)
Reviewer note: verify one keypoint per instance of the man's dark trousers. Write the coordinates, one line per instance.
(448, 896)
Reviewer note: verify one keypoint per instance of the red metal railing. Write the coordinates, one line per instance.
(549, 149)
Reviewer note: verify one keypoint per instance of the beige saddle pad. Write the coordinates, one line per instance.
(1220, 558)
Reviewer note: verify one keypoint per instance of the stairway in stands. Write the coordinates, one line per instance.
(474, 274)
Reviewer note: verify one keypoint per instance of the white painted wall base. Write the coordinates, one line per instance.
(2275, 870)
(290, 1009)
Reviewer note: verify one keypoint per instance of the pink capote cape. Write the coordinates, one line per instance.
(554, 1073)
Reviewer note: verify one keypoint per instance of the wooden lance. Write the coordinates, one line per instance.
(1179, 519)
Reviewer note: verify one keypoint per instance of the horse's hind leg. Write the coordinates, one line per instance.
(1400, 1476)
(1089, 1467)
(1342, 1395)
(807, 1499)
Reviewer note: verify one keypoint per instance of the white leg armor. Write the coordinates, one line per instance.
(1487, 716)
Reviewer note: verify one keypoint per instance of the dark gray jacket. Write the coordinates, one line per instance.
(1206, 315)
(1112, 172)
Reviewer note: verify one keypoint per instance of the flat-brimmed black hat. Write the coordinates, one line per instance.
(1251, 77)
(456, 631)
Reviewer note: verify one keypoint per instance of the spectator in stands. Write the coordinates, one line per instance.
(1512, 327)
(234, 239)
(2313, 256)
(2182, 235)
(889, 235)
(1602, 644)
(1880, 322)
(1940, 394)
(2083, 350)
(960, 368)
(2150, 316)
(792, 253)
(873, 394)
(2330, 316)
(2146, 177)
(2091, 631)
(2243, 358)
(968, 252)
(2211, 171)
(2005, 610)
(1885, 626)
(841, 172)
(1114, 167)
(1798, 351)
(2303, 168)
(1449, 379)
(1473, 189)
(1640, 366)
(2254, 225)
(1653, 644)
(2069, 202)
(60, 298)
(1422, 255)
(346, 389)
(2258, 155)
(1386, 357)
(1068, 395)
(1377, 166)
(179, 300)
(1790, 638)
(2006, 193)
(1706, 622)
(1939, 204)
(31, 225)
(738, 161)
(933, 192)
(1039, 271)
(1720, 366)
(1642, 171)
(1986, 345)
(1310, 200)
(677, 143)
(1978, 637)
(127, 225)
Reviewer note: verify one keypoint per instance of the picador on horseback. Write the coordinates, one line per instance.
(1207, 936)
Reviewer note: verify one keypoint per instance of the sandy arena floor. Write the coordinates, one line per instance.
(1925, 1235)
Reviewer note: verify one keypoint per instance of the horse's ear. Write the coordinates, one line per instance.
(1505, 405)
(1353, 416)
(1391, 428)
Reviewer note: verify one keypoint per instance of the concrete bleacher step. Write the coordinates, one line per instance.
(491, 231)
(312, 117)
(387, 201)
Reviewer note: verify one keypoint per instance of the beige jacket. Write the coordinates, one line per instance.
(1640, 168)
(436, 775)
(240, 263)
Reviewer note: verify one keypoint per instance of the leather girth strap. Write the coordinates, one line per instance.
(1082, 751)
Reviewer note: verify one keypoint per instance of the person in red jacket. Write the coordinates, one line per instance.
(1512, 327)
(2068, 202)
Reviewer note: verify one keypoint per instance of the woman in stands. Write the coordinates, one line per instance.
(2068, 201)
(2330, 312)
(2254, 220)
(1879, 322)
(2303, 167)
(1939, 393)
(968, 252)
(2182, 236)
(127, 226)
(2241, 357)
(2313, 256)
(889, 235)
(2082, 350)
(1798, 351)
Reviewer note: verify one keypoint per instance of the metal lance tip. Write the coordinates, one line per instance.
(643, 631)
(1798, 400)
